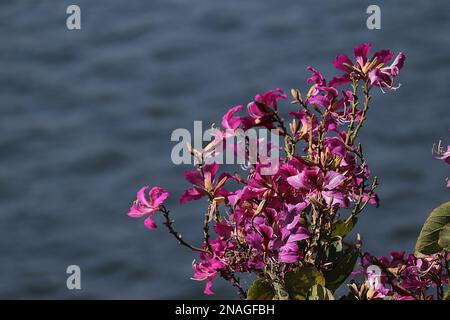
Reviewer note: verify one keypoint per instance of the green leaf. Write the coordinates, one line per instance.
(343, 261)
(428, 241)
(318, 292)
(334, 247)
(444, 237)
(447, 295)
(260, 290)
(300, 280)
(341, 228)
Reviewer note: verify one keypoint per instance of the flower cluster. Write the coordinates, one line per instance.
(379, 74)
(297, 217)
(403, 277)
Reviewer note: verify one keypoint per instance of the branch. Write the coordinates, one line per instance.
(367, 98)
(169, 224)
(231, 277)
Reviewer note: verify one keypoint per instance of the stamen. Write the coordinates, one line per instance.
(439, 150)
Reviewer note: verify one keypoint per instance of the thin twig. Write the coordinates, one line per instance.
(367, 98)
(231, 277)
(169, 224)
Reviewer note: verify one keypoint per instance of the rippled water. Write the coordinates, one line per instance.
(86, 118)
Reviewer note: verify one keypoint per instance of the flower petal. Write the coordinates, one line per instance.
(361, 51)
(157, 196)
(141, 196)
(339, 62)
(149, 223)
(229, 121)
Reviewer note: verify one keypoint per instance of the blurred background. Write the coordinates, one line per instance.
(86, 118)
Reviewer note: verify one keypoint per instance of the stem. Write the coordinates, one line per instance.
(314, 242)
(289, 146)
(367, 98)
(206, 230)
(354, 106)
(281, 123)
(310, 140)
(231, 277)
(169, 224)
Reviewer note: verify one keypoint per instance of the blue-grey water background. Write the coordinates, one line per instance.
(86, 118)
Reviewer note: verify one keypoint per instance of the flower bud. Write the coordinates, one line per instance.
(296, 95)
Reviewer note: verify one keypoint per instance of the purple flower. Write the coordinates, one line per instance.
(262, 109)
(384, 76)
(207, 270)
(223, 229)
(442, 154)
(373, 69)
(229, 121)
(406, 277)
(316, 184)
(204, 185)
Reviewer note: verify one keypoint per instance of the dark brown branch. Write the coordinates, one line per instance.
(169, 224)
(231, 277)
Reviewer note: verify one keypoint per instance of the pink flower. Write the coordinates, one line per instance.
(316, 77)
(314, 183)
(212, 263)
(207, 270)
(320, 94)
(203, 186)
(148, 206)
(384, 76)
(305, 122)
(262, 109)
(409, 272)
(229, 121)
(223, 229)
(378, 74)
(292, 231)
(440, 154)
(271, 97)
(343, 62)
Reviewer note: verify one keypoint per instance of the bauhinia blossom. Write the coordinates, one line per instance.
(148, 205)
(379, 74)
(203, 183)
(404, 277)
